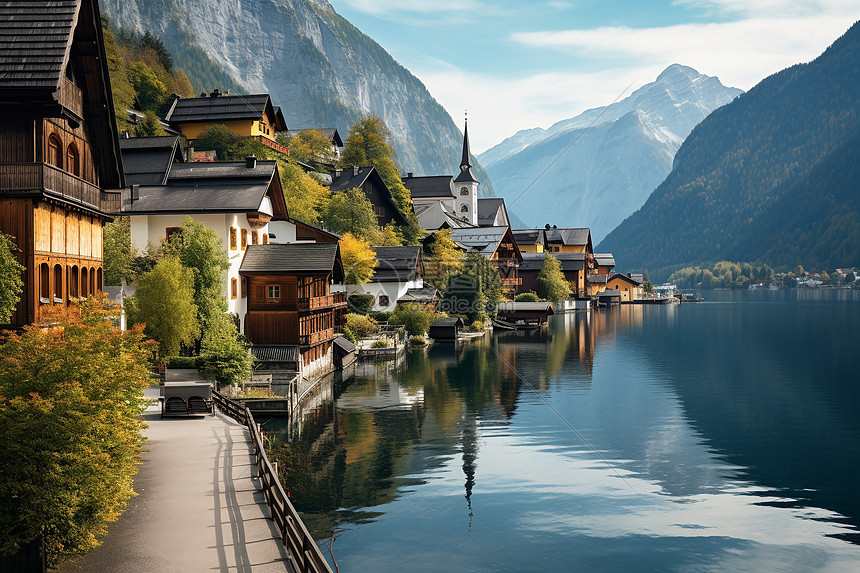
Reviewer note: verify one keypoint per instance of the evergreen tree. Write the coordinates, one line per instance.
(442, 258)
(551, 282)
(118, 252)
(475, 290)
(350, 211)
(11, 282)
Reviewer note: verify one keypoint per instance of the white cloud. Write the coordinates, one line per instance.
(389, 8)
(770, 8)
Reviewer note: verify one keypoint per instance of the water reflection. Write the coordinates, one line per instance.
(718, 436)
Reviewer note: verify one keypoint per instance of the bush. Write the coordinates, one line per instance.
(477, 326)
(417, 341)
(381, 343)
(415, 317)
(361, 326)
(186, 362)
(347, 333)
(380, 315)
(530, 296)
(360, 303)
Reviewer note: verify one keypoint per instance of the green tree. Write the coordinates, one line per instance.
(415, 317)
(350, 211)
(360, 325)
(305, 197)
(11, 281)
(164, 302)
(551, 282)
(475, 290)
(118, 252)
(70, 405)
(530, 296)
(217, 138)
(359, 260)
(224, 354)
(151, 91)
(310, 146)
(442, 258)
(149, 126)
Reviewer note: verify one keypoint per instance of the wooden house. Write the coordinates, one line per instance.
(59, 152)
(572, 266)
(496, 244)
(628, 288)
(530, 240)
(289, 299)
(603, 263)
(574, 240)
(446, 328)
(398, 269)
(368, 180)
(245, 115)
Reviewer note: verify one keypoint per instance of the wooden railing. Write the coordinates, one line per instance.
(42, 177)
(273, 144)
(70, 98)
(315, 337)
(304, 553)
(318, 302)
(515, 281)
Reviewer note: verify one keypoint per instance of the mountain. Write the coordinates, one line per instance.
(611, 157)
(318, 67)
(773, 176)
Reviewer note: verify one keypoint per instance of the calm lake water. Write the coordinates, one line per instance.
(718, 436)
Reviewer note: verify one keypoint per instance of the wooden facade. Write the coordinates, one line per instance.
(58, 155)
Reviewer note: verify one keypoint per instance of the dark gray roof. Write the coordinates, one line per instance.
(598, 279)
(275, 353)
(147, 160)
(351, 178)
(604, 259)
(568, 261)
(424, 295)
(35, 39)
(484, 240)
(434, 187)
(514, 307)
(465, 175)
(435, 215)
(204, 187)
(528, 236)
(315, 258)
(490, 209)
(397, 264)
(568, 236)
(330, 132)
(448, 321)
(223, 108)
(344, 345)
(621, 276)
(610, 292)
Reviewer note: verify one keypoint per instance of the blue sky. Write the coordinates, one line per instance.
(521, 64)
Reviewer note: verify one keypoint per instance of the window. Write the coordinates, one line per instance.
(73, 281)
(255, 238)
(265, 239)
(44, 283)
(171, 232)
(58, 283)
(234, 288)
(464, 190)
(232, 238)
(273, 292)
(55, 151)
(464, 209)
(384, 300)
(92, 280)
(244, 239)
(73, 160)
(85, 281)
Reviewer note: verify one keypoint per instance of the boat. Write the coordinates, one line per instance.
(519, 325)
(690, 297)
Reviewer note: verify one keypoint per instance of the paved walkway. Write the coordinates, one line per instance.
(198, 508)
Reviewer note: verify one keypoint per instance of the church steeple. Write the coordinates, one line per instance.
(465, 175)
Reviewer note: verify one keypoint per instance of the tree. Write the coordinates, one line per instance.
(118, 252)
(360, 325)
(350, 211)
(359, 260)
(475, 290)
(11, 281)
(149, 126)
(151, 91)
(442, 258)
(310, 146)
(414, 316)
(164, 302)
(224, 354)
(305, 197)
(551, 282)
(217, 138)
(530, 296)
(388, 236)
(70, 401)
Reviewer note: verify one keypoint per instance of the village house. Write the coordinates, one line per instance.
(59, 152)
(530, 240)
(572, 267)
(399, 271)
(251, 116)
(289, 301)
(497, 245)
(330, 133)
(629, 289)
(369, 182)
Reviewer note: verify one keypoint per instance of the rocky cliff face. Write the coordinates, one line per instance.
(617, 154)
(319, 68)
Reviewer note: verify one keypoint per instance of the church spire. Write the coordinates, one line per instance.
(465, 175)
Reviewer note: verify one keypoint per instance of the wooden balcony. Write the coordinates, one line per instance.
(273, 144)
(39, 178)
(316, 337)
(332, 300)
(514, 281)
(69, 96)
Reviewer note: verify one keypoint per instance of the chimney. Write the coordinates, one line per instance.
(251, 161)
(409, 175)
(135, 192)
(215, 93)
(203, 94)
(355, 170)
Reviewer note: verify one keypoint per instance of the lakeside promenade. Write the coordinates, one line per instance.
(197, 507)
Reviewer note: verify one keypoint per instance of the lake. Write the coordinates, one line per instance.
(714, 436)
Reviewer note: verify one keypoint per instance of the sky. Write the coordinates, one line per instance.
(519, 64)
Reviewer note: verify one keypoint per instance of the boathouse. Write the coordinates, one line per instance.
(446, 328)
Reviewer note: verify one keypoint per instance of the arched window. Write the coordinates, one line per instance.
(73, 160)
(244, 239)
(73, 281)
(99, 279)
(265, 238)
(255, 238)
(55, 151)
(58, 283)
(464, 190)
(44, 283)
(464, 209)
(92, 280)
(84, 282)
(233, 238)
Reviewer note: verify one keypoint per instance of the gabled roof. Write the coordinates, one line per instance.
(218, 108)
(398, 264)
(483, 240)
(433, 187)
(448, 321)
(604, 259)
(435, 215)
(147, 160)
(631, 280)
(356, 177)
(578, 236)
(229, 187)
(293, 258)
(426, 295)
(39, 41)
(568, 261)
(528, 236)
(330, 132)
(598, 279)
(492, 212)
